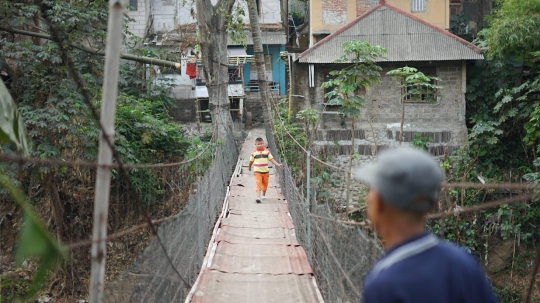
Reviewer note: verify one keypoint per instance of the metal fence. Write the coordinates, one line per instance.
(152, 278)
(340, 255)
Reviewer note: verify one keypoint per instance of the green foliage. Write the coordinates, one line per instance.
(309, 116)
(145, 131)
(288, 149)
(12, 289)
(12, 128)
(298, 18)
(513, 29)
(508, 294)
(196, 147)
(234, 22)
(421, 142)
(459, 26)
(322, 182)
(59, 121)
(311, 119)
(34, 240)
(351, 82)
(415, 86)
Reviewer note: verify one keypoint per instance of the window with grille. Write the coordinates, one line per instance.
(430, 95)
(133, 5)
(418, 6)
(327, 77)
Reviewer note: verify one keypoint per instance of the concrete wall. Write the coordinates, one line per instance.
(437, 11)
(185, 111)
(140, 17)
(330, 15)
(443, 121)
(164, 12)
(327, 16)
(270, 12)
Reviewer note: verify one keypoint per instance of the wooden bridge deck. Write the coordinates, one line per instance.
(253, 255)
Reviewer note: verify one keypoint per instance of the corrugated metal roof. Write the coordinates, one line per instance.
(267, 38)
(406, 38)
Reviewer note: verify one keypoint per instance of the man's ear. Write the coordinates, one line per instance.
(379, 207)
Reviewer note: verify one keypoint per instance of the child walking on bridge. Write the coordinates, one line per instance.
(259, 159)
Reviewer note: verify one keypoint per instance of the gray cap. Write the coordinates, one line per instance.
(406, 178)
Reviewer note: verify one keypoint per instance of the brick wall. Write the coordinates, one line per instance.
(140, 17)
(164, 14)
(334, 12)
(362, 6)
(443, 121)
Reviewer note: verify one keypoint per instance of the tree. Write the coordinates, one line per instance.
(60, 124)
(513, 29)
(504, 90)
(415, 87)
(35, 240)
(350, 84)
(213, 23)
(259, 61)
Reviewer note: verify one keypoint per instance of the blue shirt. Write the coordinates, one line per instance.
(423, 270)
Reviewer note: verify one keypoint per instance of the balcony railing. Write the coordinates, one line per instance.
(254, 87)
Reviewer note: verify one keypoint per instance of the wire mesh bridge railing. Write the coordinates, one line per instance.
(152, 278)
(340, 255)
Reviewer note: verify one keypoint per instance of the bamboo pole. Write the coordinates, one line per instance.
(289, 114)
(92, 51)
(103, 178)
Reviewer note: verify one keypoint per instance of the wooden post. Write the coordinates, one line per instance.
(103, 178)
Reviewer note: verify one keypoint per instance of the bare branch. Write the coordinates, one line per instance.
(147, 60)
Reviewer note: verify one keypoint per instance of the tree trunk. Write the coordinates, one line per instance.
(259, 61)
(402, 119)
(348, 195)
(57, 207)
(212, 23)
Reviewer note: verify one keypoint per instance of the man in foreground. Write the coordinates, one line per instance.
(417, 267)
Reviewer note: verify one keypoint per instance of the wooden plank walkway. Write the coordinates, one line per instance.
(253, 255)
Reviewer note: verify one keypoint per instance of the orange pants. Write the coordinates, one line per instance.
(261, 181)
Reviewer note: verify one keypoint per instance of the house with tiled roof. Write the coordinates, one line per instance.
(410, 41)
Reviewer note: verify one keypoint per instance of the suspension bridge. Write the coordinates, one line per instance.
(225, 247)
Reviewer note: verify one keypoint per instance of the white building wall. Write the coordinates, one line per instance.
(182, 79)
(140, 16)
(164, 15)
(184, 14)
(270, 11)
